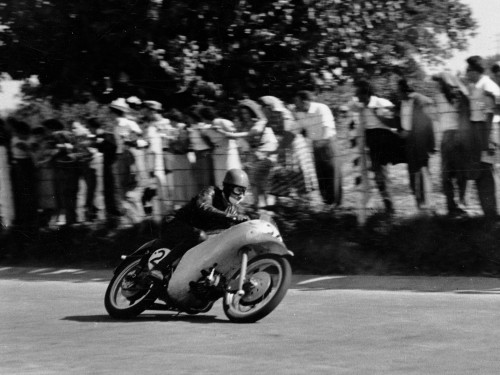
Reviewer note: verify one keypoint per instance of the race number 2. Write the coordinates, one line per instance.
(156, 257)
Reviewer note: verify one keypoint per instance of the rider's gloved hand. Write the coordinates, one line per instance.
(240, 218)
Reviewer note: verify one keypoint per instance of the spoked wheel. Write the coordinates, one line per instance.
(128, 293)
(267, 281)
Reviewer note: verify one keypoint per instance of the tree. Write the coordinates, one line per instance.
(159, 47)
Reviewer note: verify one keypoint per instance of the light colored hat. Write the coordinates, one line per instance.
(272, 101)
(120, 104)
(152, 104)
(134, 100)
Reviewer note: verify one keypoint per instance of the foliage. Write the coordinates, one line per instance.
(167, 48)
(322, 244)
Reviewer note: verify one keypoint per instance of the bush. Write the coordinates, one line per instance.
(322, 244)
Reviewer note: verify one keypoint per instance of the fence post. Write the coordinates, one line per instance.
(361, 180)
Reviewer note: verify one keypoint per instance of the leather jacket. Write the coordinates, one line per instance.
(209, 210)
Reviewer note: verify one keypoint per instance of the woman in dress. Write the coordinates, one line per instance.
(225, 153)
(262, 152)
(295, 171)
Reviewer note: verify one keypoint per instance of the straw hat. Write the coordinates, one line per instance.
(152, 104)
(120, 104)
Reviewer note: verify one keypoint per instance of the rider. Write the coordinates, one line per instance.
(212, 209)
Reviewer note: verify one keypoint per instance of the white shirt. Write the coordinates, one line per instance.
(196, 138)
(318, 122)
(406, 114)
(482, 98)
(123, 130)
(376, 106)
(447, 113)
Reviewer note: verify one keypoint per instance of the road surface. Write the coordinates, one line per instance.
(53, 322)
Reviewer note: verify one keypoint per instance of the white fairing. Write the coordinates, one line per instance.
(223, 249)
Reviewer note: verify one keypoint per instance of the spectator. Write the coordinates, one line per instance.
(23, 176)
(225, 149)
(85, 167)
(263, 147)
(483, 94)
(6, 198)
(51, 126)
(418, 133)
(67, 173)
(386, 147)
(316, 121)
(203, 168)
(105, 143)
(452, 107)
(295, 171)
(179, 147)
(126, 133)
(43, 155)
(159, 134)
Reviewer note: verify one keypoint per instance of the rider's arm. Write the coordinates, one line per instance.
(204, 202)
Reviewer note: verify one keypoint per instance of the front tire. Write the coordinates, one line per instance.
(128, 294)
(268, 280)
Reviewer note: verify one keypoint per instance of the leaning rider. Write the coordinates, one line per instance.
(212, 209)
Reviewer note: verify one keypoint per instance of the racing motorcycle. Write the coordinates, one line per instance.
(246, 265)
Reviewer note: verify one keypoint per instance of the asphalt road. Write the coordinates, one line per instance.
(53, 321)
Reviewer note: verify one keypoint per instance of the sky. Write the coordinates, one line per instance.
(487, 40)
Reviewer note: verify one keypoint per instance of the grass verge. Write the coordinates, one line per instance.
(322, 243)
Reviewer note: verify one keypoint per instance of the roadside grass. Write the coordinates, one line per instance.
(322, 244)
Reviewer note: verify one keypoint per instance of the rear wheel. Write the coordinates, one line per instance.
(129, 293)
(267, 281)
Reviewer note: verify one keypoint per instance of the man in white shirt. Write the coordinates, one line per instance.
(483, 94)
(385, 145)
(315, 120)
(126, 132)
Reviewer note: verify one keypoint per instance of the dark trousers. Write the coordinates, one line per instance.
(109, 189)
(486, 190)
(453, 168)
(328, 166)
(386, 147)
(179, 237)
(90, 177)
(67, 177)
(24, 189)
(480, 171)
(68, 183)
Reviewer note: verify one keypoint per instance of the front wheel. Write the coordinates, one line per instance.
(267, 281)
(129, 293)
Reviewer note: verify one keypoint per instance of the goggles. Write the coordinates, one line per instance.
(238, 190)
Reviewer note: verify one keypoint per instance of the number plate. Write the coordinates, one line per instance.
(157, 256)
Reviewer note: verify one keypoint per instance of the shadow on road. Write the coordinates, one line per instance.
(194, 319)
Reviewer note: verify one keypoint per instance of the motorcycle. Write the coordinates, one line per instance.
(246, 265)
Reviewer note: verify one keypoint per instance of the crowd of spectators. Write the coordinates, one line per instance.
(146, 161)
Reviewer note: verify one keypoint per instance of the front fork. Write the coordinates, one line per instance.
(243, 272)
(235, 300)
